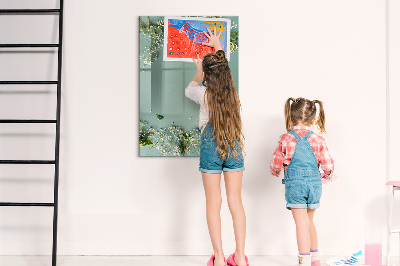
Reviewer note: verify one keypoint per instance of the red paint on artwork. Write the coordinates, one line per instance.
(181, 46)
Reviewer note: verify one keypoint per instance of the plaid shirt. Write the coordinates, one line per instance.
(287, 144)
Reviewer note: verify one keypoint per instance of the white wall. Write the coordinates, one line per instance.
(393, 108)
(114, 202)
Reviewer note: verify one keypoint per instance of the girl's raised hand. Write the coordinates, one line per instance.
(213, 39)
(199, 73)
(198, 64)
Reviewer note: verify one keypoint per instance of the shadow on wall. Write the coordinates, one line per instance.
(376, 228)
(263, 193)
(183, 220)
(376, 221)
(375, 212)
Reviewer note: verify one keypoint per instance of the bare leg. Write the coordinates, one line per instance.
(313, 230)
(212, 188)
(233, 184)
(302, 230)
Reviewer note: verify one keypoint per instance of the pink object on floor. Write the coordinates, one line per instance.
(326, 181)
(373, 254)
(316, 263)
(393, 183)
(231, 260)
(211, 261)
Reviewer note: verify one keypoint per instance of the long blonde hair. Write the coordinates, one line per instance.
(303, 110)
(223, 104)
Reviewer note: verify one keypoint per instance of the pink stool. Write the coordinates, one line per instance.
(395, 185)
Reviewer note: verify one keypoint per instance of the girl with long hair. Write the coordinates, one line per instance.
(221, 147)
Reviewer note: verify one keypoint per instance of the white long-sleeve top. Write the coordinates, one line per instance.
(196, 93)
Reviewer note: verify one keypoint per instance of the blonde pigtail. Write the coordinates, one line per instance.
(288, 114)
(321, 116)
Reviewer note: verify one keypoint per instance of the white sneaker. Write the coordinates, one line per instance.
(315, 259)
(304, 260)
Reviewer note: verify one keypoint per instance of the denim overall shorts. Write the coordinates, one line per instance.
(211, 162)
(303, 187)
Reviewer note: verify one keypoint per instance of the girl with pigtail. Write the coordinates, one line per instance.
(301, 153)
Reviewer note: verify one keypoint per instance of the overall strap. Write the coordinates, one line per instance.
(298, 138)
(294, 133)
(308, 134)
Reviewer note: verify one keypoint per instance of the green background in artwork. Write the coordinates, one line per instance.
(162, 89)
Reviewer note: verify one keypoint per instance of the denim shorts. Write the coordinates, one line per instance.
(303, 192)
(211, 162)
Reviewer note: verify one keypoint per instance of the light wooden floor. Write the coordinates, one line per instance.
(145, 260)
(135, 260)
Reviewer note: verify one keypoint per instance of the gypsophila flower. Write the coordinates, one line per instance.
(155, 42)
(170, 141)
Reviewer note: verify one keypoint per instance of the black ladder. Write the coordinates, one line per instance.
(56, 160)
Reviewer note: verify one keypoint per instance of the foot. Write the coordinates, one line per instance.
(314, 258)
(304, 260)
(217, 260)
(238, 260)
(316, 263)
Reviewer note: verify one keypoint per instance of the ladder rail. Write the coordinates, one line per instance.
(57, 144)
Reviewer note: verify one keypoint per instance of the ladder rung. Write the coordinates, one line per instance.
(16, 45)
(29, 10)
(27, 162)
(26, 204)
(28, 82)
(26, 121)
(395, 231)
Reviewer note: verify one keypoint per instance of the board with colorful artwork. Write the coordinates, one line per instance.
(168, 120)
(183, 37)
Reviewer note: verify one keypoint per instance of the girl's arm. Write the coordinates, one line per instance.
(326, 161)
(194, 91)
(199, 73)
(278, 157)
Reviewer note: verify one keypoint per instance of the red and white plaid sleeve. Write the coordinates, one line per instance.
(277, 159)
(327, 163)
(324, 159)
(283, 153)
